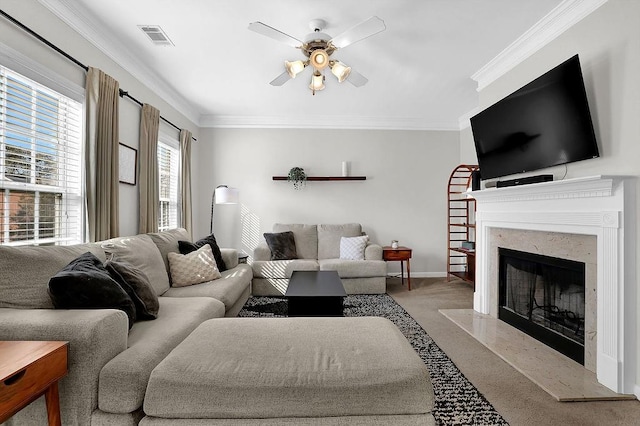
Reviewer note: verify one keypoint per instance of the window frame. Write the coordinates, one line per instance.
(173, 144)
(42, 80)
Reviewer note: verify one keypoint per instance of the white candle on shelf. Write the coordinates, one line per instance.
(345, 168)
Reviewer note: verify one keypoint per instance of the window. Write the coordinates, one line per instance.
(168, 172)
(40, 164)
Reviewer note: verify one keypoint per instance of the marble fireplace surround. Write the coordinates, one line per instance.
(590, 206)
(577, 247)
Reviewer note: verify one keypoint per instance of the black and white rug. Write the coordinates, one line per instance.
(457, 401)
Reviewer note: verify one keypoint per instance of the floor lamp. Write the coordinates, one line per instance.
(223, 195)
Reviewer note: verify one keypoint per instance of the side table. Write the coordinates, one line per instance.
(28, 370)
(401, 254)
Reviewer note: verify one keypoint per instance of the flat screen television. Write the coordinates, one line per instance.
(543, 124)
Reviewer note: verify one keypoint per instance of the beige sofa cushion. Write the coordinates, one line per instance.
(305, 236)
(290, 367)
(123, 380)
(167, 242)
(282, 268)
(141, 252)
(329, 238)
(25, 272)
(228, 289)
(354, 268)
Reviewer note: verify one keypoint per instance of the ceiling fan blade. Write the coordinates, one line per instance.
(281, 79)
(268, 31)
(357, 79)
(365, 29)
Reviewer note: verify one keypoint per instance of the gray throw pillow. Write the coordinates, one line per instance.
(137, 285)
(85, 284)
(282, 245)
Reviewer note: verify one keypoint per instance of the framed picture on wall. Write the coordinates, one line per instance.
(128, 161)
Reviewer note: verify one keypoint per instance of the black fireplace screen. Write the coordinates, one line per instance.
(544, 297)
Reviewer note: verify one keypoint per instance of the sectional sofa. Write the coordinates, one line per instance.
(109, 365)
(192, 367)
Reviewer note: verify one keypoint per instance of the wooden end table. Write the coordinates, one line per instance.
(28, 370)
(401, 254)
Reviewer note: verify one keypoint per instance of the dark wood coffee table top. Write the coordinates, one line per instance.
(315, 284)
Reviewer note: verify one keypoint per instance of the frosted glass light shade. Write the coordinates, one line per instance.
(226, 195)
(293, 68)
(317, 82)
(341, 71)
(319, 59)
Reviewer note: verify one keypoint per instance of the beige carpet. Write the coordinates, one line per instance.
(519, 400)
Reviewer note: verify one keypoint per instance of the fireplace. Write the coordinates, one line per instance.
(544, 296)
(601, 207)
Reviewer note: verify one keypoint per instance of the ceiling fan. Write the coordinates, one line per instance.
(318, 48)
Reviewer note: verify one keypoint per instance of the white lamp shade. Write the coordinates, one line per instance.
(226, 195)
(294, 67)
(341, 71)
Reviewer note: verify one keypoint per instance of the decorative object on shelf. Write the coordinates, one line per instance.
(127, 162)
(223, 195)
(345, 168)
(297, 176)
(318, 48)
(394, 244)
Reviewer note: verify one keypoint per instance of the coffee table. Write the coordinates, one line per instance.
(315, 293)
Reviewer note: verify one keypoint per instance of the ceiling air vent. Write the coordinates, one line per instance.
(156, 34)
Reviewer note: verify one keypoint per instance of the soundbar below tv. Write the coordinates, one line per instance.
(543, 124)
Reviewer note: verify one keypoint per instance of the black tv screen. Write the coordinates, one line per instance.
(543, 124)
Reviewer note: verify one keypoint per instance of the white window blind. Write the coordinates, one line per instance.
(40, 164)
(168, 173)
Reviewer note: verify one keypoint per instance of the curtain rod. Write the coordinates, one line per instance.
(72, 59)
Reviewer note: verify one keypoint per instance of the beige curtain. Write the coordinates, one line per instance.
(149, 184)
(185, 179)
(101, 155)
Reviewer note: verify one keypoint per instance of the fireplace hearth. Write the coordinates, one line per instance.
(544, 297)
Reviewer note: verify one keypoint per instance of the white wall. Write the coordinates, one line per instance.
(403, 198)
(608, 42)
(35, 16)
(467, 148)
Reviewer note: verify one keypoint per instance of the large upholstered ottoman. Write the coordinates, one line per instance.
(298, 371)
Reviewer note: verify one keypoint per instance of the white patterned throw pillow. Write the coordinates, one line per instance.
(194, 268)
(352, 248)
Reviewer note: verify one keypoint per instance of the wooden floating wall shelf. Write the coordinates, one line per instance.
(325, 178)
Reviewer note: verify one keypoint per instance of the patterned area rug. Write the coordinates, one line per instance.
(457, 402)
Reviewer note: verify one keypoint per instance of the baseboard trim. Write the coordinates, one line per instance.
(636, 391)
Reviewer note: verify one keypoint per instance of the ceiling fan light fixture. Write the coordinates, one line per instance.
(294, 67)
(317, 82)
(340, 70)
(319, 59)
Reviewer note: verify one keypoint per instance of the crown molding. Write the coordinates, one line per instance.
(77, 17)
(322, 122)
(556, 22)
(464, 120)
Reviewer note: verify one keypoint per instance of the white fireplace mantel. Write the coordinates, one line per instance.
(591, 206)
